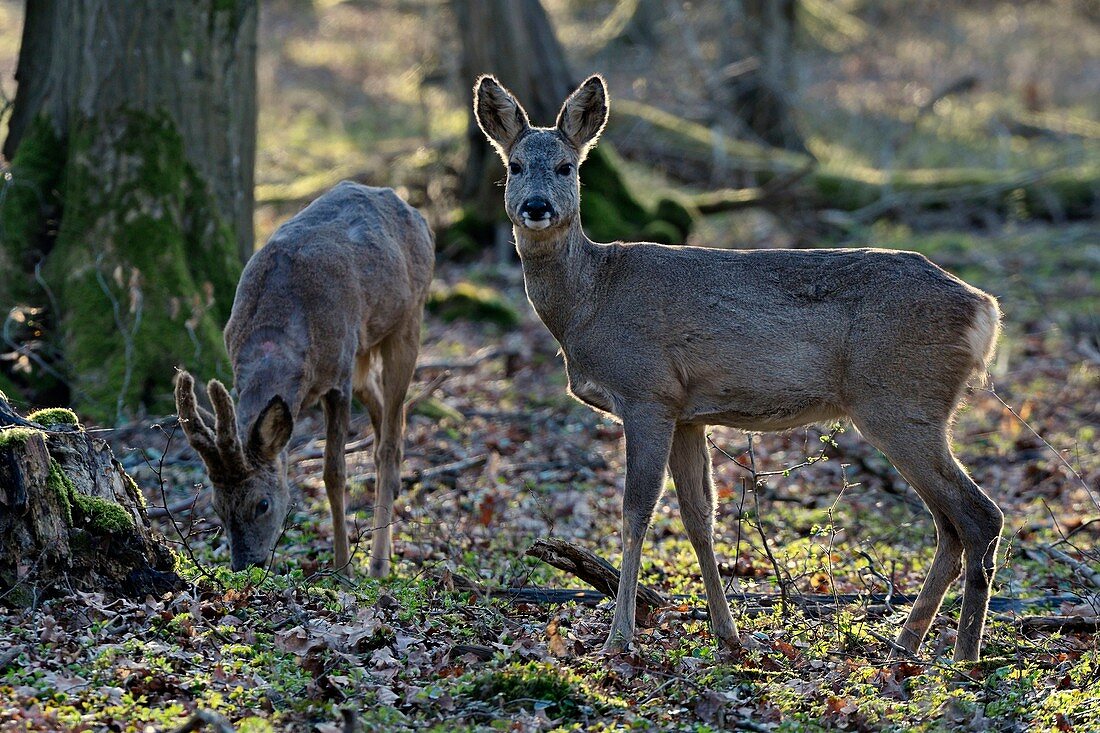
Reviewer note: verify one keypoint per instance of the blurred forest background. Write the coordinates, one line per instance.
(969, 131)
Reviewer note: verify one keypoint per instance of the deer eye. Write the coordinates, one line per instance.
(262, 507)
(515, 168)
(564, 169)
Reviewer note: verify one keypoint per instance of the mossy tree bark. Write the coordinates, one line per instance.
(515, 41)
(70, 516)
(134, 124)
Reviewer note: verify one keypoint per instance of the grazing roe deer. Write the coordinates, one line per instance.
(331, 306)
(673, 339)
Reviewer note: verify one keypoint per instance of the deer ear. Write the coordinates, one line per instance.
(584, 114)
(498, 114)
(272, 430)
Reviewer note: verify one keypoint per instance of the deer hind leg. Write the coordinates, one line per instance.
(399, 352)
(648, 441)
(968, 525)
(337, 410)
(689, 462)
(368, 386)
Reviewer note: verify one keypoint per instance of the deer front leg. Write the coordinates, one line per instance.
(337, 411)
(648, 439)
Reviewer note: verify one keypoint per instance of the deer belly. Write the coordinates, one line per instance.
(763, 418)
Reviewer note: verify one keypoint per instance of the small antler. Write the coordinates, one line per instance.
(225, 427)
(194, 426)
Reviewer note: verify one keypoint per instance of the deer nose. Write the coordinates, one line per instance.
(537, 208)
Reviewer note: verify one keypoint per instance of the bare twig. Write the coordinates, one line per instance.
(158, 472)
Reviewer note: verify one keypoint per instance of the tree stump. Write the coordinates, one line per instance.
(70, 516)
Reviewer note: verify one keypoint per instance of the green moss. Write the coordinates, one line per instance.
(25, 199)
(17, 436)
(144, 268)
(102, 516)
(662, 232)
(91, 512)
(468, 235)
(602, 221)
(601, 174)
(63, 487)
(473, 303)
(51, 416)
(138, 493)
(610, 212)
(677, 215)
(561, 691)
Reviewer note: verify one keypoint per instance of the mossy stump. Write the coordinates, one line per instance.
(71, 518)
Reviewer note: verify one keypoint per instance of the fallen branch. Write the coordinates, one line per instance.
(1082, 570)
(595, 571)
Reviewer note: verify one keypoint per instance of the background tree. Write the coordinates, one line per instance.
(515, 41)
(763, 90)
(129, 208)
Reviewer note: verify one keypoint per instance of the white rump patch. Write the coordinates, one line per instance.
(981, 337)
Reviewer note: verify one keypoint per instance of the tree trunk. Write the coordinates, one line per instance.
(762, 95)
(514, 41)
(134, 123)
(70, 516)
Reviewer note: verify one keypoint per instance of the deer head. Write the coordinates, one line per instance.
(251, 495)
(542, 193)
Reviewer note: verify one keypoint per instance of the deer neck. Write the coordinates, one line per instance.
(559, 272)
(266, 374)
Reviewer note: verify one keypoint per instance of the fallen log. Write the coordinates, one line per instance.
(695, 154)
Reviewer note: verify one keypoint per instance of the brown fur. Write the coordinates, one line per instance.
(330, 307)
(672, 339)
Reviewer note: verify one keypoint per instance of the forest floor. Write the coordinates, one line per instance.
(294, 648)
(299, 649)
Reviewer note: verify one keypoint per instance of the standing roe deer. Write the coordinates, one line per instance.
(673, 339)
(331, 306)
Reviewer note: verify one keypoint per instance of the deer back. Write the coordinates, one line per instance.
(332, 282)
